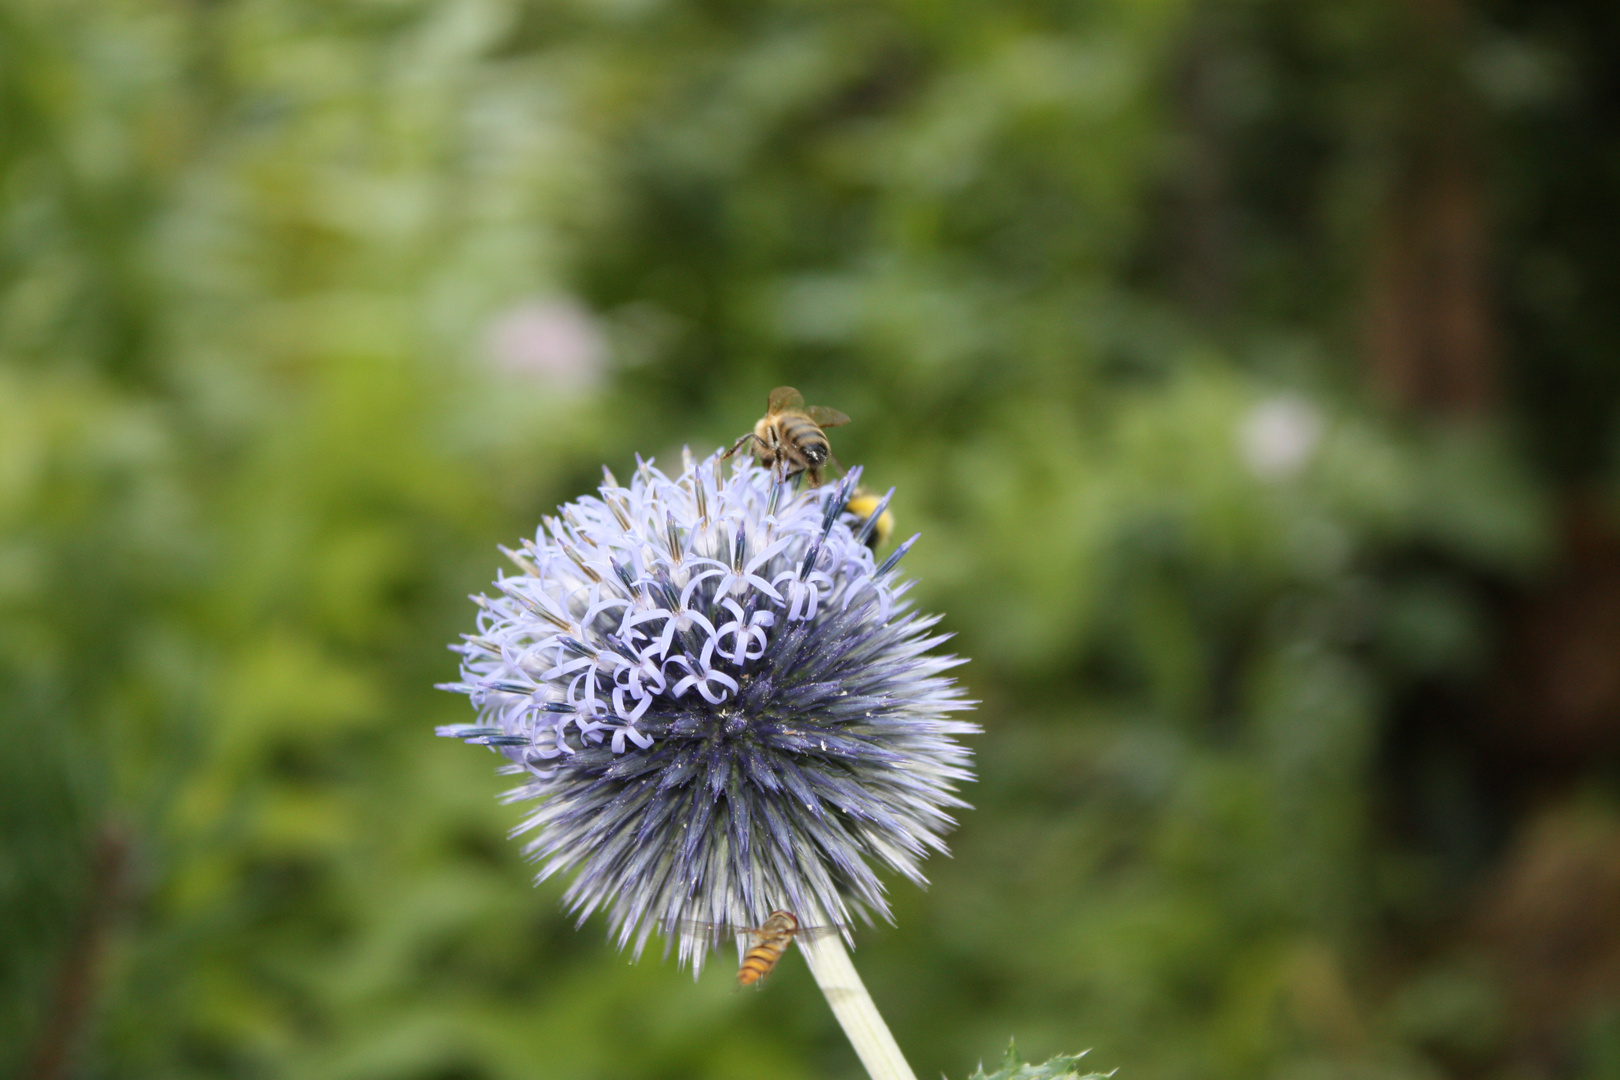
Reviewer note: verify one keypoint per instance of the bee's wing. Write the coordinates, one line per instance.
(825, 417)
(783, 399)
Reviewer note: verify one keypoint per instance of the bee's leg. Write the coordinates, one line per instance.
(739, 444)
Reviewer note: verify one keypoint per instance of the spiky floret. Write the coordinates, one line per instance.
(721, 703)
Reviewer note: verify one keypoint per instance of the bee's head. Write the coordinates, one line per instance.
(815, 453)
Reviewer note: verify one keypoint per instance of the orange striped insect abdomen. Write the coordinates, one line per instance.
(774, 935)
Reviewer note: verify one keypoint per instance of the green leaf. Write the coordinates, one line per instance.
(1062, 1067)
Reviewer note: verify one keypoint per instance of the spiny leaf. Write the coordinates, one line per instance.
(1062, 1067)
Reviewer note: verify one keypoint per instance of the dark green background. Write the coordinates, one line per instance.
(1293, 769)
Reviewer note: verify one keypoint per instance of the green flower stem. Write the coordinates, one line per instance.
(853, 1006)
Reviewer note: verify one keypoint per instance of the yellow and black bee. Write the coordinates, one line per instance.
(862, 506)
(789, 437)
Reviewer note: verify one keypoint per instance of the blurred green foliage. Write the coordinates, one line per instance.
(1090, 279)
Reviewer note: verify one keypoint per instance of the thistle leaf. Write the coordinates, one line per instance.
(1062, 1067)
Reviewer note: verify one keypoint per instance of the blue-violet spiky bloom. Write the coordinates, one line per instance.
(721, 703)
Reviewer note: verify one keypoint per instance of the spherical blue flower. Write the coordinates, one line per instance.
(721, 703)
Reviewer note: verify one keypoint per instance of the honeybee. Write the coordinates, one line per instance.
(862, 505)
(789, 437)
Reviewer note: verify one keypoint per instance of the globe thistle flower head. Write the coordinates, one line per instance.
(721, 704)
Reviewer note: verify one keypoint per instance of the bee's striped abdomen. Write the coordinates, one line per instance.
(801, 433)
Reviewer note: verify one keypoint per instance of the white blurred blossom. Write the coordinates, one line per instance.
(1279, 436)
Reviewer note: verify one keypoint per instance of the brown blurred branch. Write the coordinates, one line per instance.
(1429, 336)
(1206, 230)
(76, 985)
(1429, 328)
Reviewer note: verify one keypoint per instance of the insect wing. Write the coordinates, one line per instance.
(712, 932)
(716, 932)
(825, 417)
(784, 399)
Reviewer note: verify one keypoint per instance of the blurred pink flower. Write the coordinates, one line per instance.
(555, 339)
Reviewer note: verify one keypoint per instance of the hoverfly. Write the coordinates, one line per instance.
(767, 941)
